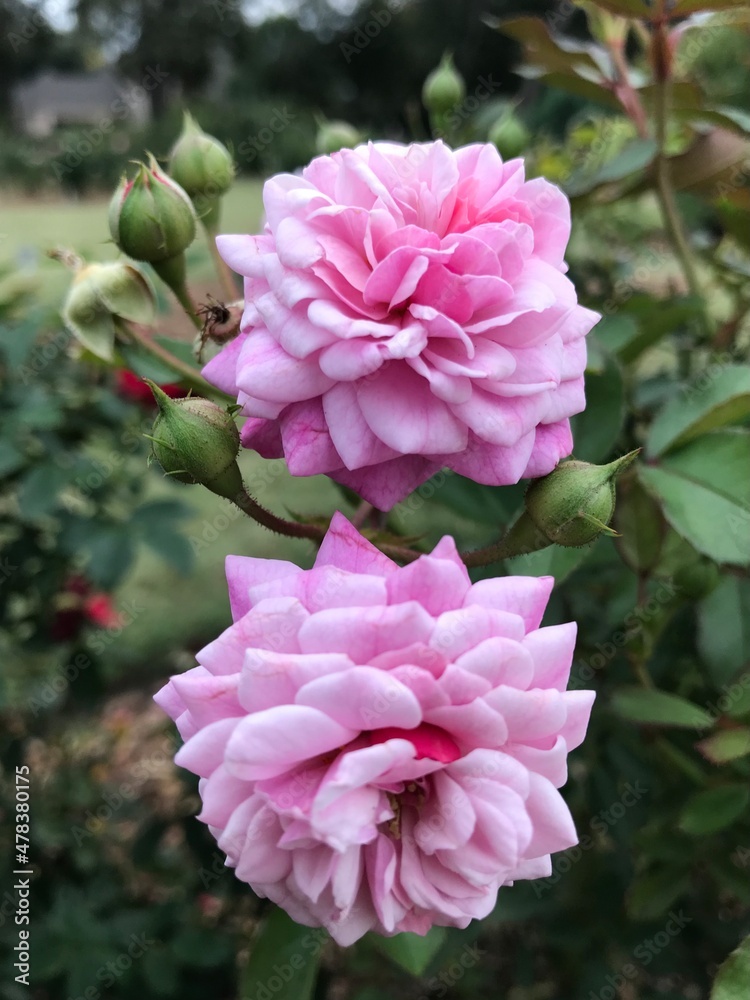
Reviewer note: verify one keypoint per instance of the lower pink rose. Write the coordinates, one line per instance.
(381, 748)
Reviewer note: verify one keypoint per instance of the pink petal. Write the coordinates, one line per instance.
(552, 651)
(362, 698)
(244, 572)
(267, 743)
(344, 547)
(526, 596)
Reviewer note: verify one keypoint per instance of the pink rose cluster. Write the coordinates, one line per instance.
(381, 747)
(407, 310)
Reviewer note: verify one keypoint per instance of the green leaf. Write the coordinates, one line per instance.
(733, 975)
(713, 810)
(646, 10)
(494, 505)
(727, 117)
(39, 490)
(161, 513)
(642, 528)
(111, 551)
(701, 407)
(412, 952)
(174, 548)
(141, 363)
(724, 628)
(704, 491)
(659, 708)
(652, 894)
(286, 953)
(596, 430)
(637, 325)
(11, 458)
(554, 53)
(181, 350)
(636, 155)
(726, 745)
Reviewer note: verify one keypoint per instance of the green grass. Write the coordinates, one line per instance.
(30, 228)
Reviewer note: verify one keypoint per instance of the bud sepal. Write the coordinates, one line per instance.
(101, 294)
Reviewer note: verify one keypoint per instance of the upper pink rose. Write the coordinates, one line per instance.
(381, 747)
(407, 309)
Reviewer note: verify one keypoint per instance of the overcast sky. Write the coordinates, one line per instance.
(59, 12)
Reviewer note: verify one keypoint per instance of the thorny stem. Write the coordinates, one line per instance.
(522, 537)
(294, 529)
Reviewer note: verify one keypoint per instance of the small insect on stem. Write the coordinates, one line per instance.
(221, 323)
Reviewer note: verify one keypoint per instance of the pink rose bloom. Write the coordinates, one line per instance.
(380, 748)
(406, 310)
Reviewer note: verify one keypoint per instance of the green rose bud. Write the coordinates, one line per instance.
(204, 168)
(444, 88)
(196, 441)
(575, 502)
(200, 164)
(336, 135)
(510, 136)
(151, 218)
(100, 295)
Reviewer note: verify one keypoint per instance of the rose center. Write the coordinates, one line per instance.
(429, 741)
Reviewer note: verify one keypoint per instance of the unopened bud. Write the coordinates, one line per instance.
(151, 218)
(200, 163)
(99, 295)
(203, 167)
(336, 135)
(444, 88)
(575, 502)
(196, 441)
(510, 136)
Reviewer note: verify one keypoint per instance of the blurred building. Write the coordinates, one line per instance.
(52, 99)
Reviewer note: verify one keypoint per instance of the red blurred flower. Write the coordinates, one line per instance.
(132, 387)
(78, 605)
